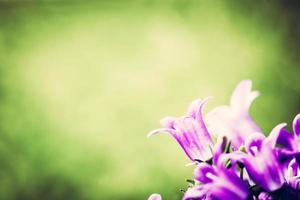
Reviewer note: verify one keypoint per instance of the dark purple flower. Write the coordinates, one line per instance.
(190, 132)
(234, 121)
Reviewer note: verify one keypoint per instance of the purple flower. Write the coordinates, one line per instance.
(190, 132)
(234, 121)
(218, 182)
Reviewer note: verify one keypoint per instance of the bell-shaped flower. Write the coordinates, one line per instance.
(190, 132)
(217, 182)
(234, 121)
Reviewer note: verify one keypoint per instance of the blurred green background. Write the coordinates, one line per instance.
(83, 82)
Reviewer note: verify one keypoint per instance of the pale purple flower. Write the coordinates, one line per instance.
(190, 132)
(234, 121)
(155, 197)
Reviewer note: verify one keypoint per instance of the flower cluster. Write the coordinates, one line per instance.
(233, 158)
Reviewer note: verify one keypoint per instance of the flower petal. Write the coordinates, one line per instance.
(219, 183)
(155, 197)
(280, 136)
(201, 172)
(294, 183)
(285, 156)
(195, 109)
(227, 185)
(222, 121)
(254, 143)
(219, 148)
(265, 196)
(234, 121)
(160, 130)
(264, 169)
(292, 170)
(193, 138)
(193, 193)
(296, 125)
(242, 96)
(168, 122)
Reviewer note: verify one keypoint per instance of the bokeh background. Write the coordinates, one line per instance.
(83, 82)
